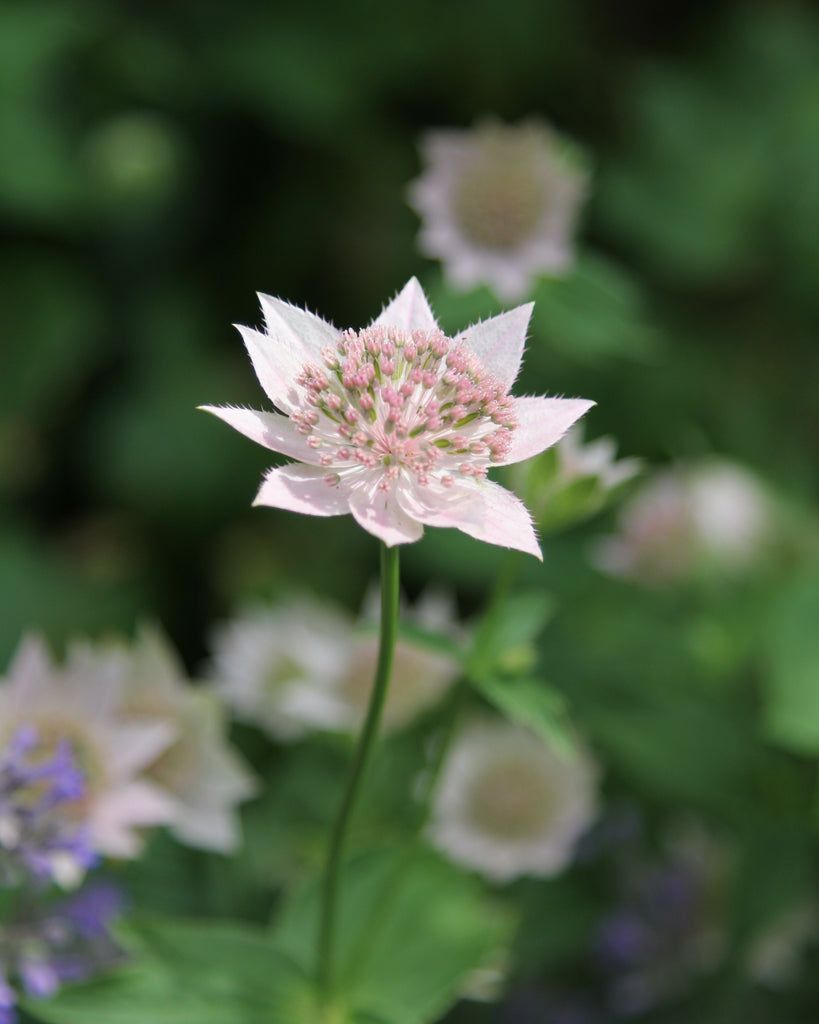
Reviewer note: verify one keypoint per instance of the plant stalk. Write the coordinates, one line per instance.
(363, 752)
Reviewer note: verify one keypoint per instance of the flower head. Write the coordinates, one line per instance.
(498, 204)
(397, 423)
(711, 514)
(199, 769)
(76, 706)
(302, 665)
(509, 805)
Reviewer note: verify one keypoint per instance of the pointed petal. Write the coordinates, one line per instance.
(498, 342)
(303, 489)
(267, 428)
(31, 663)
(136, 745)
(380, 514)
(480, 508)
(505, 520)
(276, 365)
(409, 310)
(541, 423)
(304, 333)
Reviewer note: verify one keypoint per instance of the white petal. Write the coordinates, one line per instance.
(498, 342)
(409, 310)
(267, 428)
(303, 489)
(380, 514)
(497, 516)
(304, 333)
(31, 664)
(116, 814)
(541, 423)
(137, 745)
(276, 365)
(479, 508)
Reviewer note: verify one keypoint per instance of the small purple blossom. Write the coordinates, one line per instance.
(49, 945)
(655, 938)
(40, 840)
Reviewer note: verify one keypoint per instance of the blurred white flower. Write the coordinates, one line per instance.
(706, 514)
(293, 667)
(498, 204)
(266, 662)
(78, 704)
(507, 804)
(206, 777)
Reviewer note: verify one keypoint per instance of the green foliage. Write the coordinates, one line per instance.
(413, 927)
(792, 680)
(216, 973)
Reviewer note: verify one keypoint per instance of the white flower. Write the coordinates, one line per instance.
(271, 663)
(204, 774)
(498, 204)
(300, 665)
(507, 804)
(711, 513)
(398, 424)
(78, 704)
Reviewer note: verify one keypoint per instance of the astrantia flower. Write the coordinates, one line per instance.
(199, 769)
(397, 423)
(76, 706)
(507, 804)
(269, 660)
(301, 665)
(498, 204)
(706, 515)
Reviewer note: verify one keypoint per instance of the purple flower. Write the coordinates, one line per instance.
(40, 839)
(61, 942)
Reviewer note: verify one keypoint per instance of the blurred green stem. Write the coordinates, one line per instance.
(363, 751)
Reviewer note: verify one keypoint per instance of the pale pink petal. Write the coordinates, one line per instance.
(380, 514)
(498, 342)
(304, 333)
(479, 508)
(115, 814)
(409, 310)
(135, 746)
(303, 489)
(267, 428)
(31, 663)
(276, 365)
(541, 423)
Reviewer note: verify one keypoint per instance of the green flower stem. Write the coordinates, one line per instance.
(363, 751)
(371, 933)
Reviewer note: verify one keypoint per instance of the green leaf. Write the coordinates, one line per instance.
(505, 638)
(533, 703)
(792, 683)
(595, 312)
(185, 972)
(411, 927)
